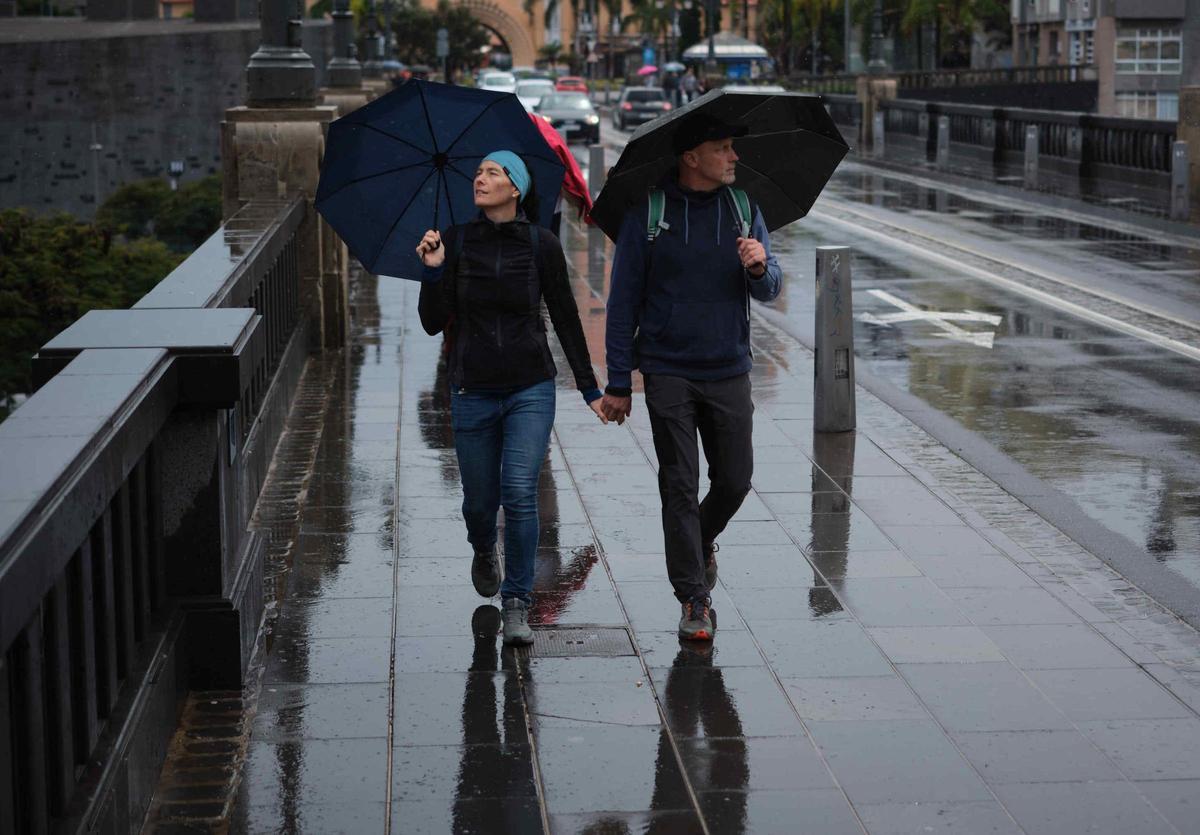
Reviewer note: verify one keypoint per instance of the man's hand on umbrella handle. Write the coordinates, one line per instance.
(753, 255)
(616, 408)
(430, 251)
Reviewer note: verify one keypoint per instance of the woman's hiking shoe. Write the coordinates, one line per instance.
(485, 572)
(697, 623)
(710, 565)
(515, 614)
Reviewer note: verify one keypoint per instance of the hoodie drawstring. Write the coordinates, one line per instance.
(718, 202)
(686, 205)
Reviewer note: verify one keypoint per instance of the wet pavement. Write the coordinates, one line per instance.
(902, 646)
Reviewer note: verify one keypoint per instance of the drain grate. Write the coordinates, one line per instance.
(581, 641)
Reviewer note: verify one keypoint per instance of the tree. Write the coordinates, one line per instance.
(132, 208)
(814, 13)
(416, 34)
(52, 271)
(182, 219)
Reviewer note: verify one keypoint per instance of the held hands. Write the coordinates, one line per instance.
(595, 407)
(614, 408)
(430, 249)
(753, 255)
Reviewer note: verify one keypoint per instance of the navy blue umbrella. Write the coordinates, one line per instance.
(406, 163)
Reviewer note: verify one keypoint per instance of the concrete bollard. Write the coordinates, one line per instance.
(943, 142)
(595, 169)
(833, 401)
(877, 135)
(1031, 156)
(1181, 208)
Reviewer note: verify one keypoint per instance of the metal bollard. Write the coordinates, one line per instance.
(595, 169)
(877, 135)
(1031, 156)
(943, 142)
(1181, 208)
(833, 401)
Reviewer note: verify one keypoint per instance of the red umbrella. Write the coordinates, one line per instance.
(574, 186)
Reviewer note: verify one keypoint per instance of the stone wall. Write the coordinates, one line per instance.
(88, 106)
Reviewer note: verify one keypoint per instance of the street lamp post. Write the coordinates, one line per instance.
(714, 10)
(878, 63)
(280, 72)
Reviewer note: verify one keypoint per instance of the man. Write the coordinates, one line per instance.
(678, 310)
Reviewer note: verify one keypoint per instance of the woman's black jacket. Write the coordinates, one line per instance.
(488, 299)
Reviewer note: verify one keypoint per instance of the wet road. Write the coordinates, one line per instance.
(1071, 346)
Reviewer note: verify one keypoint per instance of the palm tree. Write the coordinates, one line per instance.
(814, 11)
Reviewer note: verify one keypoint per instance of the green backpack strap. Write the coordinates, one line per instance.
(741, 204)
(656, 205)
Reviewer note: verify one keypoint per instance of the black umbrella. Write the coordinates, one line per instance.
(787, 157)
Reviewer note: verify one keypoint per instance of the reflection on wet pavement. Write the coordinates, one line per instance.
(875, 634)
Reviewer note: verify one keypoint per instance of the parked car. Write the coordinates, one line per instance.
(572, 115)
(533, 90)
(638, 105)
(505, 82)
(571, 84)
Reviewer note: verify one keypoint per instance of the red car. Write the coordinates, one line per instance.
(571, 84)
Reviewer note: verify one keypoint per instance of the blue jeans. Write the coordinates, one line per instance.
(501, 439)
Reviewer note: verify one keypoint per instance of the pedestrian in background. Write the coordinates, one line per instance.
(485, 284)
(679, 310)
(687, 85)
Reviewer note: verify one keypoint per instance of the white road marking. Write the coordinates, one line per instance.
(939, 319)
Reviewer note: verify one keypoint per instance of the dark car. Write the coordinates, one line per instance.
(638, 105)
(571, 114)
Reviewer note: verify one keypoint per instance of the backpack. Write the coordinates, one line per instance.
(656, 202)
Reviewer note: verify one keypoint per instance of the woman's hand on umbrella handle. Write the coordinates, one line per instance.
(430, 251)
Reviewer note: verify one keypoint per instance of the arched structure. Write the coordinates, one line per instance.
(512, 23)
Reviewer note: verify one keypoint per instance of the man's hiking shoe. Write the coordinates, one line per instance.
(515, 614)
(486, 573)
(697, 623)
(710, 565)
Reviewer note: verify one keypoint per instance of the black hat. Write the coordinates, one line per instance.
(700, 128)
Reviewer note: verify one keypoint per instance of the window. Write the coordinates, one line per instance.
(1153, 51)
(1083, 48)
(1148, 106)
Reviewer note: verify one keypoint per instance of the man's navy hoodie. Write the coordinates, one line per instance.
(680, 305)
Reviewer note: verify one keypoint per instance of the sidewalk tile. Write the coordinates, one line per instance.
(860, 698)
(589, 606)
(322, 711)
(431, 611)
(1150, 749)
(1035, 757)
(798, 812)
(728, 702)
(938, 540)
(443, 654)
(820, 649)
(998, 607)
(855, 565)
(462, 772)
(756, 764)
(851, 531)
(570, 704)
(1099, 808)
(288, 814)
(1176, 800)
(985, 817)
(491, 814)
(316, 771)
(967, 570)
(652, 607)
(584, 670)
(327, 661)
(602, 768)
(362, 617)
(1052, 647)
(595, 823)
(912, 601)
(728, 649)
(982, 697)
(935, 644)
(457, 709)
(1094, 695)
(758, 605)
(896, 761)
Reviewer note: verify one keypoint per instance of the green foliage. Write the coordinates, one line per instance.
(182, 219)
(52, 271)
(320, 8)
(416, 34)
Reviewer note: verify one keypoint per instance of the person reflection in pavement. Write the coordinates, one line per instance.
(698, 706)
(833, 460)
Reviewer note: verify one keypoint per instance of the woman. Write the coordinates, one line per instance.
(485, 284)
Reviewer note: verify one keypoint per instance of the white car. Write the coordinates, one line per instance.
(533, 90)
(504, 82)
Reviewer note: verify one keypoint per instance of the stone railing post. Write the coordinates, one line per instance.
(1189, 132)
(345, 90)
(272, 149)
(870, 91)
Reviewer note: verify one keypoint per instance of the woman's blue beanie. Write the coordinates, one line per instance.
(513, 167)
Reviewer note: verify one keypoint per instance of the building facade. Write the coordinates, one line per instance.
(1137, 46)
